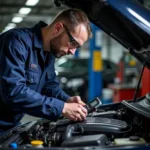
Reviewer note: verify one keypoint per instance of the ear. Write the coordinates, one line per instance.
(58, 28)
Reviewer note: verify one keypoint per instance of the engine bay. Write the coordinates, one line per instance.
(112, 125)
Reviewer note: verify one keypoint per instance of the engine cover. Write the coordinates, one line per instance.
(97, 125)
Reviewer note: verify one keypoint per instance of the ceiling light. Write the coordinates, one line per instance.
(17, 19)
(24, 10)
(31, 2)
(11, 25)
(4, 31)
(8, 27)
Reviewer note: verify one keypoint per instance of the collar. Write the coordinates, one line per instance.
(37, 34)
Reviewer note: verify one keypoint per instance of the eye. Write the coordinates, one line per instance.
(74, 44)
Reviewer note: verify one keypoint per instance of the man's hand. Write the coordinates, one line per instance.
(74, 111)
(75, 99)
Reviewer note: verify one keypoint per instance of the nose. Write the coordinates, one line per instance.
(71, 51)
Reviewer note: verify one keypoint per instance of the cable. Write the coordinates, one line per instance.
(143, 50)
(137, 87)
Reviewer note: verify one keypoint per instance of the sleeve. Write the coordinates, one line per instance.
(52, 87)
(13, 87)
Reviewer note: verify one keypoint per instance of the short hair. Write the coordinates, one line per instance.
(74, 17)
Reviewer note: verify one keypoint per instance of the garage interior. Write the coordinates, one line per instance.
(120, 71)
(105, 72)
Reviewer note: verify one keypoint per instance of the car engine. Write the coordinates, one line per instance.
(112, 125)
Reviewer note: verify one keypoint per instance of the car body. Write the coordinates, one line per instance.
(76, 67)
(74, 75)
(71, 67)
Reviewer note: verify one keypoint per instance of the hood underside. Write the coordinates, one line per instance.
(127, 21)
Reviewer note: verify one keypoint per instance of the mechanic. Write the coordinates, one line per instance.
(28, 83)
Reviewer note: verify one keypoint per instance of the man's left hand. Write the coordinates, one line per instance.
(75, 99)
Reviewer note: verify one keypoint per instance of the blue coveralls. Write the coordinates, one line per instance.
(28, 82)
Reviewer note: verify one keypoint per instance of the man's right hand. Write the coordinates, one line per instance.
(74, 111)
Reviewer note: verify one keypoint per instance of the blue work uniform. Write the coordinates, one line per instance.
(28, 82)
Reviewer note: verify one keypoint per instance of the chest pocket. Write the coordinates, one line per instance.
(32, 77)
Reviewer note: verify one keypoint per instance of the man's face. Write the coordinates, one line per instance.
(67, 42)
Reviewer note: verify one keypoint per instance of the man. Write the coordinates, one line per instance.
(27, 77)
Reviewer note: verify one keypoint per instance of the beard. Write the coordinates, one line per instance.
(55, 47)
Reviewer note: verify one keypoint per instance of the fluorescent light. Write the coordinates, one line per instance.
(31, 2)
(8, 27)
(11, 25)
(17, 19)
(4, 31)
(24, 10)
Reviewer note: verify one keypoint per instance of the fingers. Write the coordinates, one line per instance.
(82, 103)
(76, 99)
(74, 111)
(81, 113)
(79, 101)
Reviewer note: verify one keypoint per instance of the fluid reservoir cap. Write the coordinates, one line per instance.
(13, 145)
(134, 138)
(36, 142)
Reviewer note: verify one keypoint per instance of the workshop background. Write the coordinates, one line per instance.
(101, 68)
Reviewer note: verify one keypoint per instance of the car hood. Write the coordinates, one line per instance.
(127, 21)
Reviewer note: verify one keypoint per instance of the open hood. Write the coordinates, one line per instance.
(127, 21)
